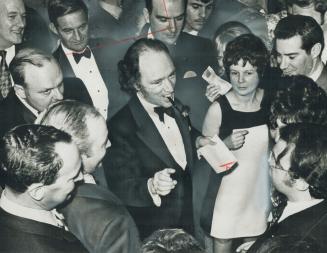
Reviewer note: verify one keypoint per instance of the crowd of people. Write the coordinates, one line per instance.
(105, 104)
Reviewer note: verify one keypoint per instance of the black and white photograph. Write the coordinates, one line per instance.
(163, 126)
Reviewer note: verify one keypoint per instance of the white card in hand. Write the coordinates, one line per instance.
(212, 78)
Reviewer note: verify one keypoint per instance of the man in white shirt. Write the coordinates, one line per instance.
(12, 24)
(299, 42)
(40, 166)
(89, 60)
(148, 165)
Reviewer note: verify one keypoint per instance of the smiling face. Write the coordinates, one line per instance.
(244, 79)
(197, 13)
(12, 22)
(158, 78)
(166, 19)
(291, 58)
(72, 30)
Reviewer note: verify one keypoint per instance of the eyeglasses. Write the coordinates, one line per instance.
(274, 163)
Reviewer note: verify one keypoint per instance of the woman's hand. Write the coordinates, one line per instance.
(236, 139)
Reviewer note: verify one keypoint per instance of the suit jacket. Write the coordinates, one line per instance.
(311, 222)
(100, 221)
(13, 112)
(322, 80)
(107, 53)
(20, 235)
(137, 153)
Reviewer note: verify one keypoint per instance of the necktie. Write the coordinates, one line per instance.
(279, 202)
(5, 80)
(78, 56)
(162, 110)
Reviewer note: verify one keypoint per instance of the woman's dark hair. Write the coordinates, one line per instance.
(128, 68)
(248, 48)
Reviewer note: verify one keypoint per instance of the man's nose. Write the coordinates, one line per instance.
(169, 85)
(20, 21)
(58, 94)
(172, 26)
(77, 35)
(283, 63)
(202, 12)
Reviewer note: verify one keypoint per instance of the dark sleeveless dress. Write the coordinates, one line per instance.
(241, 206)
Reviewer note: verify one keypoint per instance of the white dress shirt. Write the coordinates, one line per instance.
(169, 132)
(87, 70)
(38, 215)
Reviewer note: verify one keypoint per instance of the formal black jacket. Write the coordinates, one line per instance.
(100, 221)
(13, 112)
(20, 235)
(137, 153)
(107, 53)
(311, 222)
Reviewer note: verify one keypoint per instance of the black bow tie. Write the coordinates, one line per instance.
(78, 56)
(162, 110)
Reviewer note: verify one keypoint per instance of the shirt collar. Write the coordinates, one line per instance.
(88, 179)
(39, 215)
(147, 105)
(112, 9)
(68, 51)
(192, 32)
(11, 51)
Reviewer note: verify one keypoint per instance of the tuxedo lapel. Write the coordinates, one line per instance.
(185, 132)
(148, 133)
(65, 66)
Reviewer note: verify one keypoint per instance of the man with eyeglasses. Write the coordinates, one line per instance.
(298, 164)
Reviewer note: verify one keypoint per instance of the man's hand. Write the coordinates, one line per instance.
(236, 139)
(163, 183)
(243, 248)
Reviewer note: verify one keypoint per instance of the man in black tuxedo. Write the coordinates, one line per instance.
(91, 60)
(12, 25)
(149, 163)
(41, 166)
(38, 82)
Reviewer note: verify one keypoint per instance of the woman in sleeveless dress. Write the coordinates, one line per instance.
(239, 118)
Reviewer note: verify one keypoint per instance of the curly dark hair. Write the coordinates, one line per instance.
(248, 48)
(309, 157)
(128, 68)
(298, 100)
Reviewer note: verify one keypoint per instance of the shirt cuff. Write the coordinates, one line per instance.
(155, 197)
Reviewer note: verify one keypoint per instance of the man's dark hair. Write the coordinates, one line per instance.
(25, 57)
(304, 26)
(149, 4)
(298, 99)
(171, 241)
(309, 156)
(27, 155)
(59, 8)
(248, 48)
(128, 68)
(319, 5)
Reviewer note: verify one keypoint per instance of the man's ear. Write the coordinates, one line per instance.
(316, 50)
(36, 191)
(20, 91)
(301, 185)
(53, 28)
(137, 86)
(146, 15)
